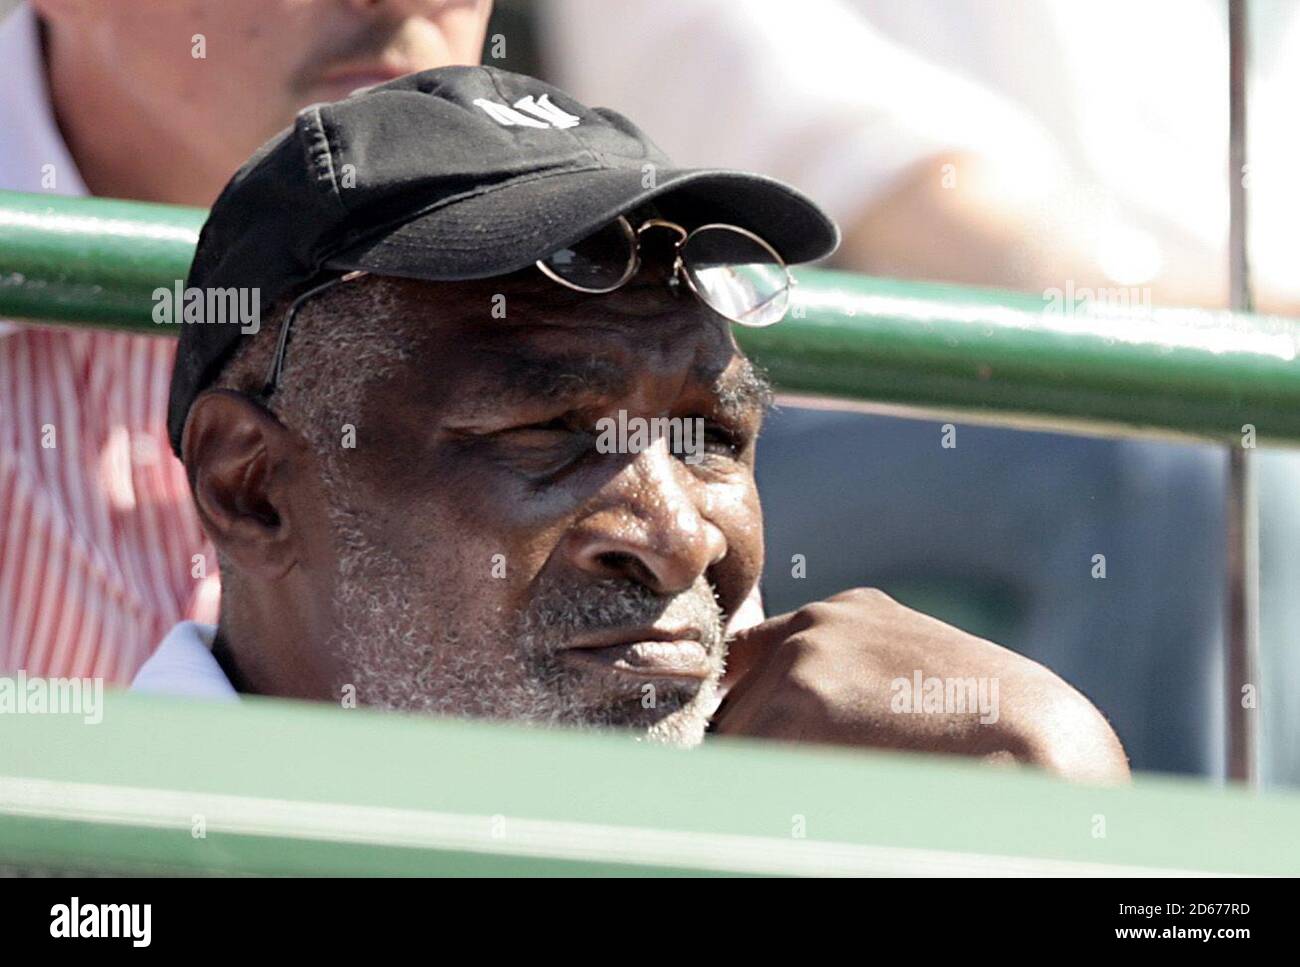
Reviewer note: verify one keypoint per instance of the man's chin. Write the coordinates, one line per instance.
(672, 712)
(683, 729)
(682, 726)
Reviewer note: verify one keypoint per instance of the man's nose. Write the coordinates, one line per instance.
(646, 526)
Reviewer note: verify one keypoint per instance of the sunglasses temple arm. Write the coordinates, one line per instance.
(282, 342)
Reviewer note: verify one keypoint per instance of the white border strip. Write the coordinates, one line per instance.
(515, 836)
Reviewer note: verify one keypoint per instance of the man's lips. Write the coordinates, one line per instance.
(645, 653)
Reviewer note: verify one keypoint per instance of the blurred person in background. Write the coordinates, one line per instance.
(1025, 144)
(100, 550)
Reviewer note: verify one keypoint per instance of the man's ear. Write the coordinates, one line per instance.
(239, 458)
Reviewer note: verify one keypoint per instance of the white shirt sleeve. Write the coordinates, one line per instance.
(811, 94)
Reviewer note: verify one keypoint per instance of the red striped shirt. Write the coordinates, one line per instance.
(98, 536)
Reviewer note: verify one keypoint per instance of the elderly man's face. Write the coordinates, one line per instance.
(493, 561)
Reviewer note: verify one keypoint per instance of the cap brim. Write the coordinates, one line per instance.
(508, 228)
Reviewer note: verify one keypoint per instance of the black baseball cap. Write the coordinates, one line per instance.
(449, 174)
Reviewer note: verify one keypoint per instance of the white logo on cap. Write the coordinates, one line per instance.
(543, 113)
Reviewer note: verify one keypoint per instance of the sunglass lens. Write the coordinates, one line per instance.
(738, 276)
(597, 263)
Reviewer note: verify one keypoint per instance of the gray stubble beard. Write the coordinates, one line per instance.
(514, 673)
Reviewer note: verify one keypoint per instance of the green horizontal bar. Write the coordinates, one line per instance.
(92, 261)
(286, 787)
(1011, 357)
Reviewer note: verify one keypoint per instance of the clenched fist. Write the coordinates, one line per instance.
(859, 669)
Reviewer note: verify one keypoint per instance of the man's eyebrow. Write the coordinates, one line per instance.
(519, 378)
(531, 378)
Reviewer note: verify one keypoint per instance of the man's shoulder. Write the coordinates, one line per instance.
(183, 666)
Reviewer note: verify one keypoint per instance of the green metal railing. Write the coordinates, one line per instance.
(91, 261)
(290, 788)
(1016, 358)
